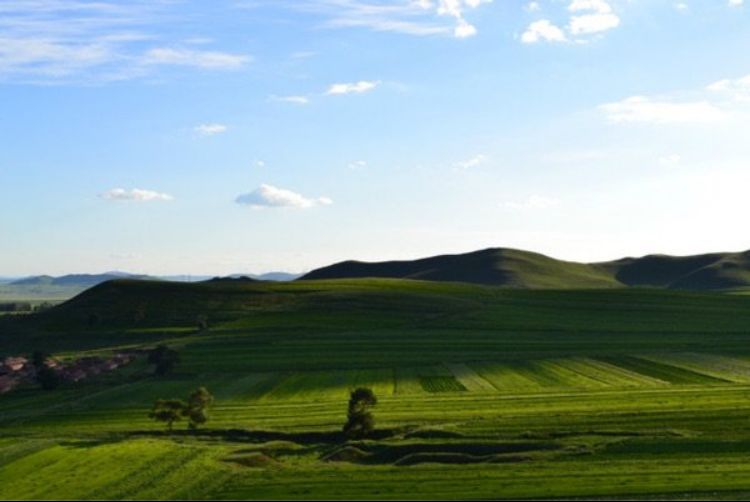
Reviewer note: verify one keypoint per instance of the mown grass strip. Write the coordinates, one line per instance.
(665, 372)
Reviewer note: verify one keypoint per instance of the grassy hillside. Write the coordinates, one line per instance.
(416, 320)
(484, 393)
(508, 267)
(523, 269)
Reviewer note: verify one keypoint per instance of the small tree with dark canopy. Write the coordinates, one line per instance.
(360, 422)
(39, 358)
(47, 377)
(197, 407)
(201, 322)
(164, 359)
(168, 411)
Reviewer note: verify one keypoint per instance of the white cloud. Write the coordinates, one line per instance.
(533, 7)
(587, 18)
(297, 100)
(670, 161)
(464, 30)
(737, 89)
(543, 30)
(210, 129)
(592, 23)
(533, 202)
(352, 88)
(136, 194)
(726, 100)
(358, 165)
(660, 111)
(198, 59)
(474, 161)
(598, 17)
(736, 3)
(269, 196)
(598, 6)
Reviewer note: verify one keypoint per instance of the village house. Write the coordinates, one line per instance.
(14, 364)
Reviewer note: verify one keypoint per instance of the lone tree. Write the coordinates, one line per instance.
(168, 411)
(164, 359)
(197, 407)
(47, 377)
(360, 422)
(201, 322)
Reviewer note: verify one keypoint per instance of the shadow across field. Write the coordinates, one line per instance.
(257, 436)
(442, 452)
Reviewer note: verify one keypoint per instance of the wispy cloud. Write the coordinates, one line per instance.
(411, 17)
(211, 60)
(475, 161)
(737, 89)
(662, 111)
(338, 89)
(721, 101)
(136, 194)
(74, 41)
(670, 161)
(210, 129)
(532, 202)
(296, 100)
(269, 196)
(358, 165)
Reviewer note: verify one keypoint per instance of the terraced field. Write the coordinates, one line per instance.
(483, 393)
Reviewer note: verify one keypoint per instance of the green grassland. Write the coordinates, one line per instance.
(483, 393)
(37, 293)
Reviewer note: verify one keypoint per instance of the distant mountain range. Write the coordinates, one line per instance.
(89, 280)
(76, 280)
(523, 269)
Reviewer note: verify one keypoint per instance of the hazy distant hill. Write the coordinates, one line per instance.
(89, 280)
(271, 276)
(56, 289)
(76, 280)
(523, 269)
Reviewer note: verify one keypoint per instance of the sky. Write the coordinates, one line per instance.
(246, 136)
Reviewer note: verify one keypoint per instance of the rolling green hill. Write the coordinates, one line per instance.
(523, 269)
(434, 317)
(484, 393)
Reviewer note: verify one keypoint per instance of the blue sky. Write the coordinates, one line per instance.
(223, 136)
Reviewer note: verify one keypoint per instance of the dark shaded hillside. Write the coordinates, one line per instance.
(380, 322)
(523, 269)
(138, 303)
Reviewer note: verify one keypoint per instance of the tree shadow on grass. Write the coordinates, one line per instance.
(259, 436)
